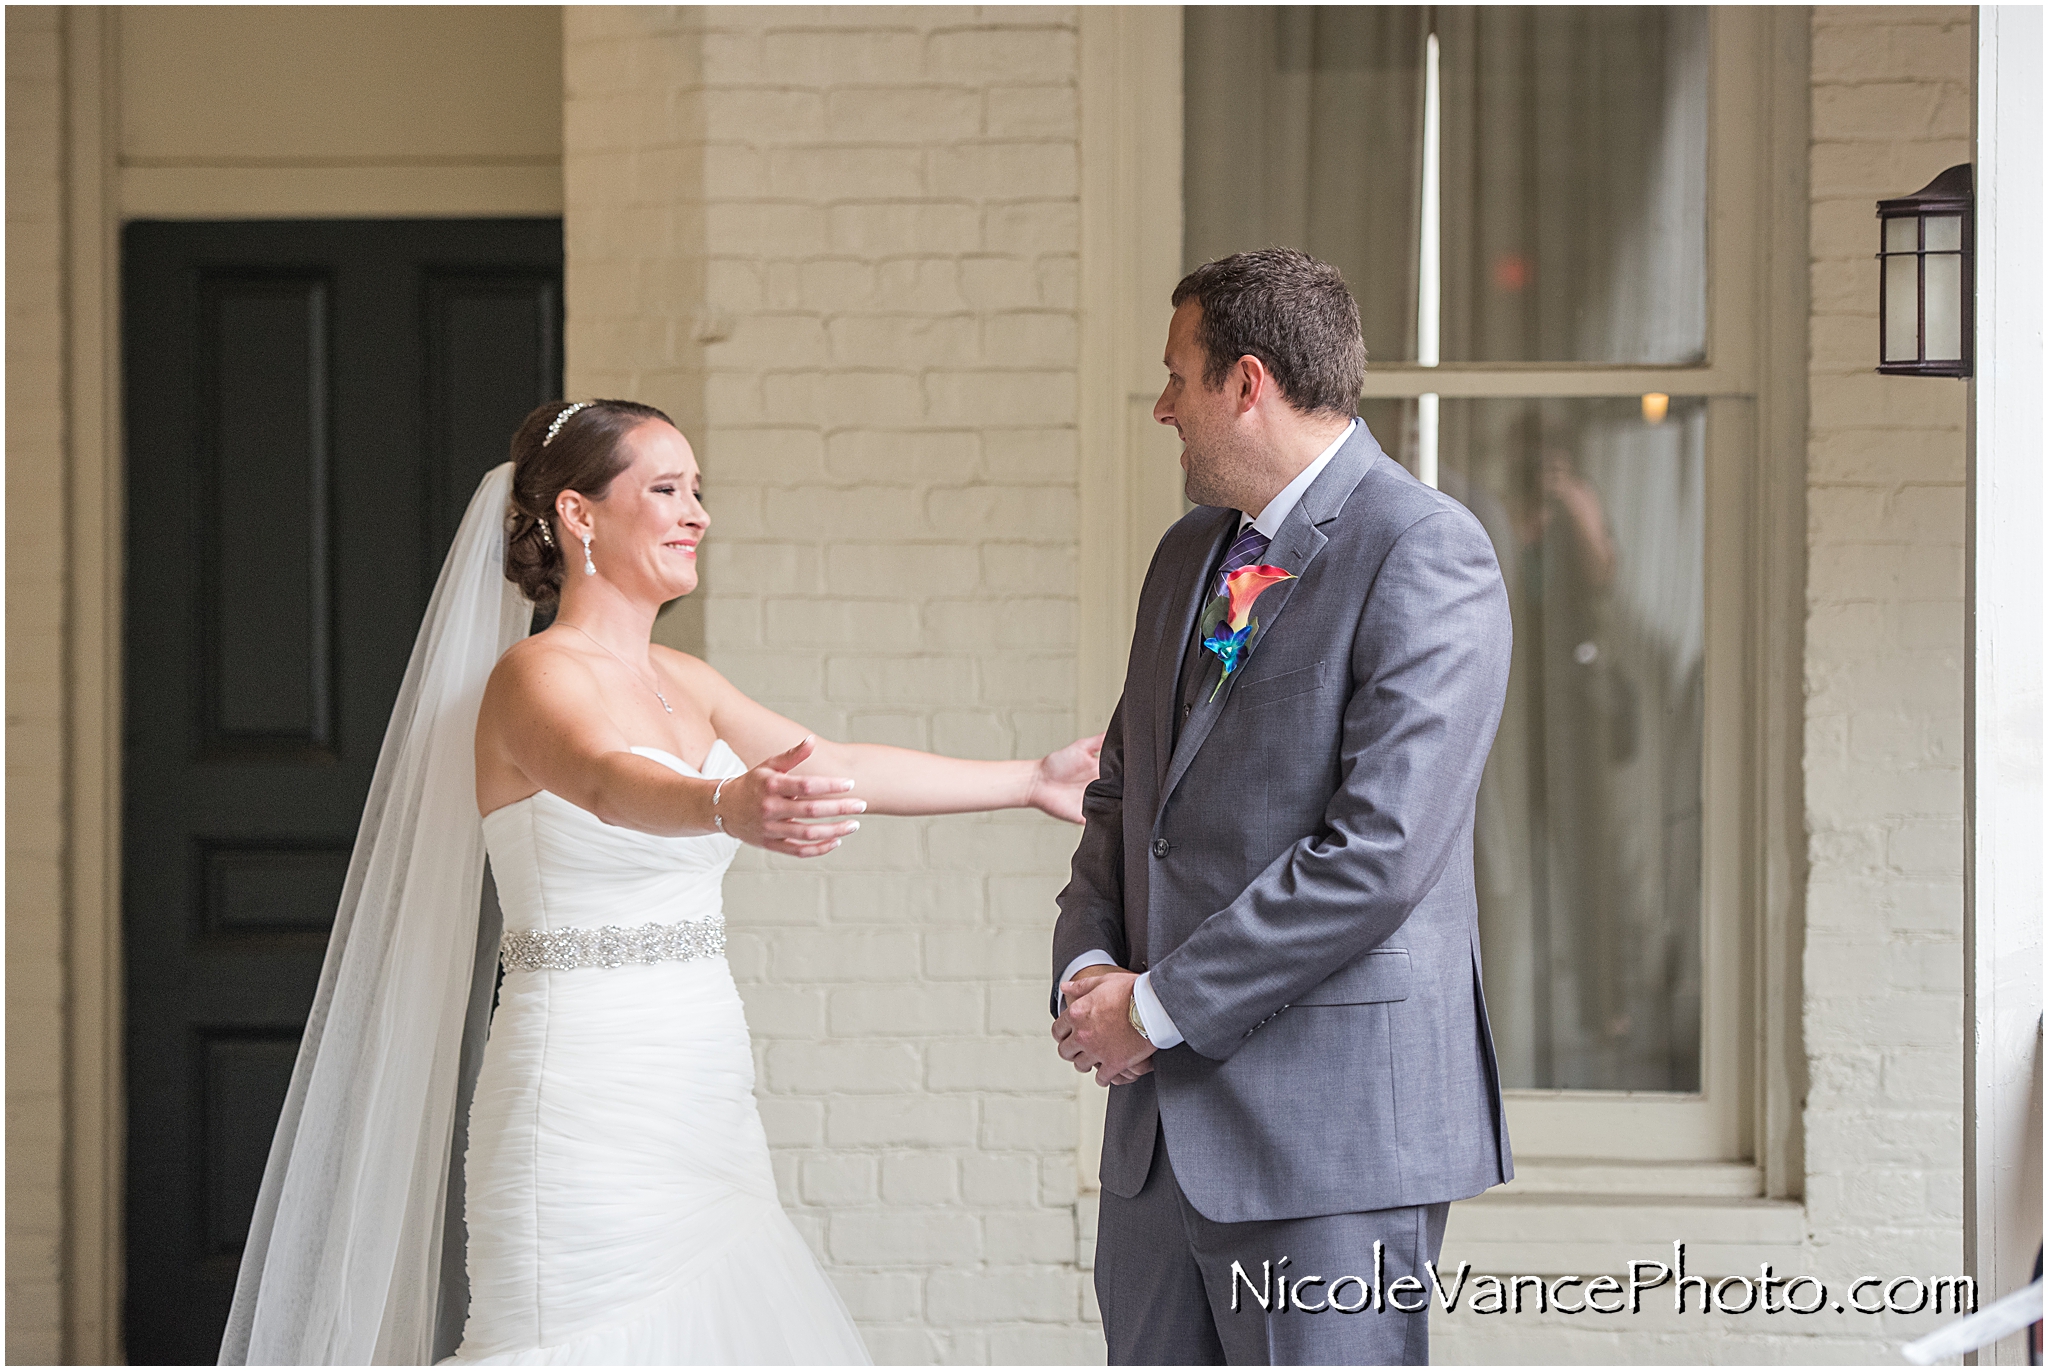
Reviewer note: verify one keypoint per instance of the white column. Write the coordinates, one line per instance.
(1429, 293)
(2004, 861)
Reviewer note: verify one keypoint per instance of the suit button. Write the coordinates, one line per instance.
(1160, 847)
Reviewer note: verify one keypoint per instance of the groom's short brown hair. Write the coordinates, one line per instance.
(1290, 311)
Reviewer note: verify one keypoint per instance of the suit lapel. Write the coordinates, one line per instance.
(1296, 546)
(1177, 635)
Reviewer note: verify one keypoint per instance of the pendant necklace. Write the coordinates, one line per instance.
(622, 662)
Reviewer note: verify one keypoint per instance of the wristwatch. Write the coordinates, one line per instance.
(1137, 1021)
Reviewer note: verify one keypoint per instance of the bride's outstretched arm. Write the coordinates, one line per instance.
(544, 726)
(898, 780)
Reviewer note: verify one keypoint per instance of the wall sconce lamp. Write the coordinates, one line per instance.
(1925, 303)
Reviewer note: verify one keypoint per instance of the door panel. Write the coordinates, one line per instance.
(265, 515)
(309, 407)
(488, 336)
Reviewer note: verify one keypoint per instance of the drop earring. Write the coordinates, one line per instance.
(589, 567)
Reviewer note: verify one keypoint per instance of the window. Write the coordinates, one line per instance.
(1560, 227)
(1524, 186)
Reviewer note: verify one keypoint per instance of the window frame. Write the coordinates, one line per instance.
(1738, 1136)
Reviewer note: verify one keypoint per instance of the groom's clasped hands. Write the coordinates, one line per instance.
(1095, 1031)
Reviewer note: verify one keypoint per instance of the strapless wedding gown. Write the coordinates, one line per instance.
(619, 1201)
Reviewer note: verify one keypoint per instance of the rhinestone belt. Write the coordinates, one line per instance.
(566, 949)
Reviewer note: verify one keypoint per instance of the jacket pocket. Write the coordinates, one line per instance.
(1377, 977)
(1285, 686)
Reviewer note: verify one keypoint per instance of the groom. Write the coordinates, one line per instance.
(1269, 945)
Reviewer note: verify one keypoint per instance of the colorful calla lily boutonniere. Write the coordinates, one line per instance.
(1227, 624)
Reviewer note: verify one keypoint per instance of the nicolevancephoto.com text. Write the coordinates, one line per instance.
(1277, 1290)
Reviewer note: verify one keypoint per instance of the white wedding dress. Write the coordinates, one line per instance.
(619, 1202)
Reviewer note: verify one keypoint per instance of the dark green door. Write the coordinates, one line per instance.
(309, 406)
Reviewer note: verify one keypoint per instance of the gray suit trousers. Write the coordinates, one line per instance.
(1163, 1276)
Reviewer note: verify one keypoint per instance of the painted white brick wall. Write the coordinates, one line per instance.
(1892, 103)
(35, 683)
(840, 247)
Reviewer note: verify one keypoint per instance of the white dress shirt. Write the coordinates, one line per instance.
(1158, 1023)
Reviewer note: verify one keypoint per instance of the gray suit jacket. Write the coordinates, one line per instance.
(1296, 871)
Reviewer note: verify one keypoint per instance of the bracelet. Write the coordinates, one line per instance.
(717, 819)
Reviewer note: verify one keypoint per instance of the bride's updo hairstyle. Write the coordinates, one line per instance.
(561, 446)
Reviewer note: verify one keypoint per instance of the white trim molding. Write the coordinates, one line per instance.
(94, 1189)
(530, 189)
(2003, 884)
(1130, 259)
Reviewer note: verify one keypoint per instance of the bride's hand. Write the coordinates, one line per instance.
(1062, 776)
(772, 809)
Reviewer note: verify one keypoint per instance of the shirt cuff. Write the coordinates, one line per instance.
(1095, 958)
(1158, 1023)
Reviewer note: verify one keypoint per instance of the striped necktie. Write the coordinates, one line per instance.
(1250, 546)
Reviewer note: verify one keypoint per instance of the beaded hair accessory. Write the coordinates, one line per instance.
(561, 419)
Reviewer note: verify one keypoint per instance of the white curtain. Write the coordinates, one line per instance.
(1304, 130)
(1574, 184)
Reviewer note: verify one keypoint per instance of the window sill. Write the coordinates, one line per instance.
(1568, 1217)
(1595, 1176)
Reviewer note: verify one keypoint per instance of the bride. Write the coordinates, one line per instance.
(610, 1200)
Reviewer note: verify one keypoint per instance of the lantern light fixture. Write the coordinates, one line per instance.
(1926, 278)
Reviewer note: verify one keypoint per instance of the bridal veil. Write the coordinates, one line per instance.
(344, 1262)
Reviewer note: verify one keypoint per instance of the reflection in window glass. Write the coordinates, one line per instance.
(1587, 851)
(1573, 151)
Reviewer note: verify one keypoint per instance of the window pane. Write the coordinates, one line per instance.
(1587, 850)
(1901, 309)
(1945, 233)
(1573, 168)
(1944, 305)
(1393, 423)
(1304, 129)
(1575, 184)
(1902, 234)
